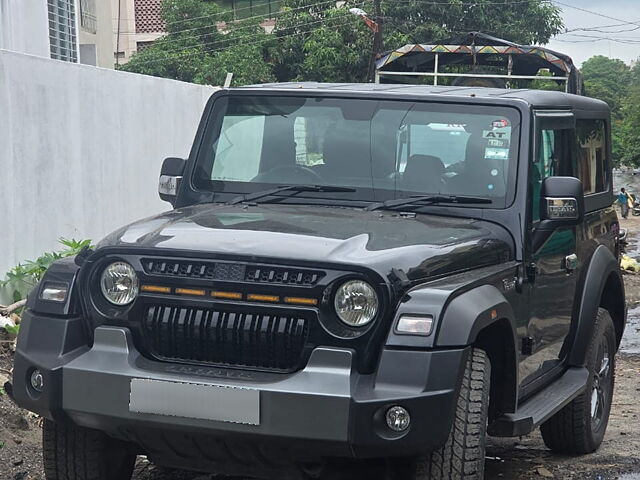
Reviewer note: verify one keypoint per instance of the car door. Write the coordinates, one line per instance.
(551, 268)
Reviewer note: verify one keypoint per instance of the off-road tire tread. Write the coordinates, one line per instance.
(75, 453)
(462, 456)
(567, 431)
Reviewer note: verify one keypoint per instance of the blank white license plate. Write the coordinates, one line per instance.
(193, 400)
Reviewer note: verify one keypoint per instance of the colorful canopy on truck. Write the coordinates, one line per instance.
(478, 49)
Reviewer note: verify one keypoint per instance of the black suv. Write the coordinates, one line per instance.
(350, 272)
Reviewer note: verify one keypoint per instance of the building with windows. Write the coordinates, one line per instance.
(77, 31)
(138, 23)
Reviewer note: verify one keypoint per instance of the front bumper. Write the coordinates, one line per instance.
(325, 410)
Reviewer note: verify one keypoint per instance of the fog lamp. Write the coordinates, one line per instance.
(398, 419)
(54, 292)
(37, 380)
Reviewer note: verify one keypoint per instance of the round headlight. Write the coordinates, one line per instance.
(356, 303)
(119, 283)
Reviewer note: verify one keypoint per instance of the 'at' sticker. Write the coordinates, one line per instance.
(495, 134)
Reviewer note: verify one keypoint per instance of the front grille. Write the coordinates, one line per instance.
(225, 338)
(232, 272)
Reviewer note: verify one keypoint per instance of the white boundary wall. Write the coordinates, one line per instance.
(81, 149)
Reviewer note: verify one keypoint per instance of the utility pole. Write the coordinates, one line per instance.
(378, 40)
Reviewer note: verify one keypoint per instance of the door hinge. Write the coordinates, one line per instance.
(527, 346)
(530, 270)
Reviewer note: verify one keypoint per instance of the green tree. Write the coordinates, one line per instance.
(202, 44)
(607, 79)
(635, 73)
(521, 22)
(317, 41)
(629, 128)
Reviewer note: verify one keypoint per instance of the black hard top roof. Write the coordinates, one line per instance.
(534, 98)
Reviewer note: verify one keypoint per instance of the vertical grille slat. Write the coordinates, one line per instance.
(225, 338)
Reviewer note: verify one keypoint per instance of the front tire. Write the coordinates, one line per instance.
(579, 427)
(462, 456)
(76, 453)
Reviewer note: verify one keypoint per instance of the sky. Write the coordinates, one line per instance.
(580, 47)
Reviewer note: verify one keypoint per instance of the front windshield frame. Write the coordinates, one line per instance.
(221, 188)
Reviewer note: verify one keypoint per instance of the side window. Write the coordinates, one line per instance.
(553, 159)
(591, 161)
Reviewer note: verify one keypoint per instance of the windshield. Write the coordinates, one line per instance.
(380, 149)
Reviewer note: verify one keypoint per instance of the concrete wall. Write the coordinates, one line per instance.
(24, 26)
(81, 148)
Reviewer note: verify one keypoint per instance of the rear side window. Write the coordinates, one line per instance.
(591, 159)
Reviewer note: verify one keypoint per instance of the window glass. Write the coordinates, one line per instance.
(380, 146)
(239, 145)
(546, 165)
(592, 155)
(62, 30)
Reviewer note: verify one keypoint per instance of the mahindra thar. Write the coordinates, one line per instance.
(379, 272)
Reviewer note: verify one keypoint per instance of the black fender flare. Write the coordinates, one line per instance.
(469, 313)
(463, 321)
(603, 263)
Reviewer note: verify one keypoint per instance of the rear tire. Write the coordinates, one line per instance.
(580, 426)
(462, 456)
(76, 453)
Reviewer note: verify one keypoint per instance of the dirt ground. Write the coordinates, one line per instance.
(523, 458)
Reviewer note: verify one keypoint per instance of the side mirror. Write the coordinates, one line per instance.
(561, 205)
(170, 178)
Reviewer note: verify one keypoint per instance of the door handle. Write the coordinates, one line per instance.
(571, 262)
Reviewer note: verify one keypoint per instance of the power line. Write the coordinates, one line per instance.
(186, 53)
(255, 35)
(596, 13)
(167, 40)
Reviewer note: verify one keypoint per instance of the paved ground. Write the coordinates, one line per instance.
(523, 458)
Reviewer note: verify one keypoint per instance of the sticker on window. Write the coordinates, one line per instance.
(495, 134)
(503, 123)
(498, 143)
(496, 154)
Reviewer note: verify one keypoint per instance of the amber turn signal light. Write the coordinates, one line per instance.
(190, 291)
(300, 300)
(254, 297)
(227, 295)
(155, 289)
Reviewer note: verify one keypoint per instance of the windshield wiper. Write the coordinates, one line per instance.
(420, 200)
(251, 197)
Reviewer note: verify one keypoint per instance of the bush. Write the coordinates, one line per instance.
(24, 276)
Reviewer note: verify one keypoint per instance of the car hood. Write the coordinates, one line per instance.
(420, 245)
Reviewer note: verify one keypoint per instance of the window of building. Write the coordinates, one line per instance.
(62, 30)
(88, 19)
(142, 45)
(147, 15)
(592, 155)
(250, 8)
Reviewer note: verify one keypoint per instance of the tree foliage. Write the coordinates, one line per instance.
(321, 42)
(629, 133)
(202, 44)
(614, 82)
(607, 79)
(317, 40)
